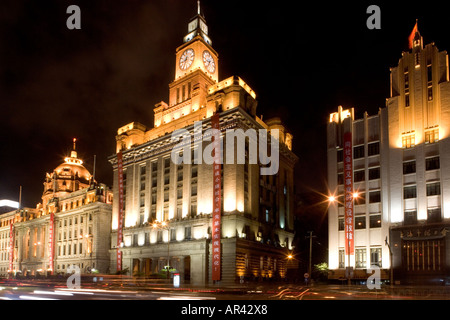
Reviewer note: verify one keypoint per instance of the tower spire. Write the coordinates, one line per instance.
(198, 7)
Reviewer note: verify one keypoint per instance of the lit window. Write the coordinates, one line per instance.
(408, 140)
(375, 221)
(360, 223)
(432, 135)
(361, 258)
(375, 257)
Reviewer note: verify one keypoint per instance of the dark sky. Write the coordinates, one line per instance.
(303, 61)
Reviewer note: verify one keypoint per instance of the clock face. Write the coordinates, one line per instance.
(186, 59)
(208, 61)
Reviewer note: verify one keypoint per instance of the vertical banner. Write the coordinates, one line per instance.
(11, 247)
(51, 239)
(217, 186)
(348, 201)
(120, 218)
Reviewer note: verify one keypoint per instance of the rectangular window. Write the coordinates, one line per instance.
(187, 233)
(375, 221)
(409, 167)
(360, 223)
(374, 173)
(341, 224)
(408, 140)
(407, 102)
(374, 196)
(358, 152)
(193, 210)
(340, 177)
(341, 258)
(360, 199)
(406, 80)
(434, 214)
(432, 163)
(375, 257)
(409, 192)
(359, 175)
(432, 135)
(434, 189)
(361, 257)
(410, 217)
(340, 155)
(194, 172)
(373, 148)
(429, 73)
(430, 93)
(194, 190)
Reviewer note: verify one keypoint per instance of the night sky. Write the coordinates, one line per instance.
(302, 60)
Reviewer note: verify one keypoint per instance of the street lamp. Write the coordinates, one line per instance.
(163, 225)
(391, 275)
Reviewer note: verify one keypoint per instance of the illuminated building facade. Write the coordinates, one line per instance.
(257, 210)
(401, 175)
(81, 212)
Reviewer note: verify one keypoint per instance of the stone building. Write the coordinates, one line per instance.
(257, 210)
(401, 175)
(31, 244)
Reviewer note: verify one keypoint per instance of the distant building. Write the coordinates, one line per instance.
(81, 210)
(401, 175)
(257, 211)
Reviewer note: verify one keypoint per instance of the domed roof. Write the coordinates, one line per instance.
(72, 166)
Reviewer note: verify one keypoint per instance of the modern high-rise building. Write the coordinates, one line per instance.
(256, 210)
(70, 227)
(399, 164)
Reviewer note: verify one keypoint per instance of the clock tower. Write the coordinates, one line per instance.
(196, 64)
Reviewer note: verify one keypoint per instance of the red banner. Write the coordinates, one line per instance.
(120, 218)
(216, 226)
(51, 238)
(11, 246)
(348, 201)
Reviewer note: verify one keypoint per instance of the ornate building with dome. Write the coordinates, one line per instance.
(70, 226)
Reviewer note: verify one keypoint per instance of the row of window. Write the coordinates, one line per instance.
(409, 167)
(374, 197)
(430, 164)
(360, 222)
(361, 257)
(68, 221)
(64, 250)
(373, 149)
(433, 215)
(159, 236)
(433, 189)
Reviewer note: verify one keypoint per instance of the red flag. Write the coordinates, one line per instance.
(412, 35)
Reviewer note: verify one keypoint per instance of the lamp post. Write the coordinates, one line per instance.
(163, 225)
(391, 271)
